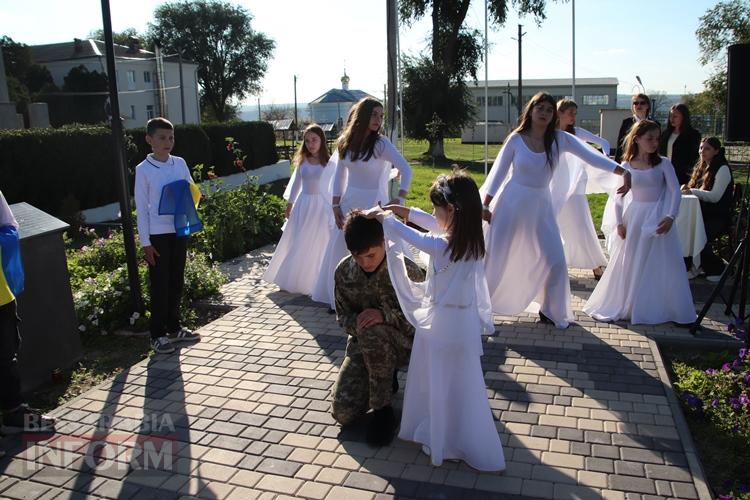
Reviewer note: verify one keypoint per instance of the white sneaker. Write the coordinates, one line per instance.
(162, 345)
(714, 278)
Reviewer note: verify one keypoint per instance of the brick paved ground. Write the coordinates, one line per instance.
(583, 413)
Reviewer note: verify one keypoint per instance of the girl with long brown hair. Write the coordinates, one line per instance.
(712, 182)
(582, 248)
(301, 249)
(450, 311)
(361, 179)
(525, 258)
(645, 281)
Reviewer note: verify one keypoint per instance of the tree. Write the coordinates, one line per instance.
(455, 55)
(232, 58)
(726, 23)
(278, 113)
(123, 37)
(80, 79)
(25, 78)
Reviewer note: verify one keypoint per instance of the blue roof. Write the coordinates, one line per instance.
(341, 95)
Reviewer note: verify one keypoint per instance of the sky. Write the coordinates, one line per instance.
(317, 40)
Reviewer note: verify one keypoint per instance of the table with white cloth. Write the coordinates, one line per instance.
(690, 229)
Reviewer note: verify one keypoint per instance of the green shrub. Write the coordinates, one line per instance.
(101, 288)
(239, 220)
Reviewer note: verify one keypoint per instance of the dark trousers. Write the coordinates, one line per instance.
(10, 342)
(167, 279)
(710, 262)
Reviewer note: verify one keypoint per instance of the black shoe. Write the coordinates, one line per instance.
(382, 427)
(331, 311)
(26, 419)
(394, 386)
(545, 319)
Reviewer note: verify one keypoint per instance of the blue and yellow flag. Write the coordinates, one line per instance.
(180, 199)
(11, 274)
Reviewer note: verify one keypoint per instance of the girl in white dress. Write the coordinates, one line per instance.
(525, 260)
(581, 244)
(360, 181)
(299, 254)
(645, 281)
(445, 401)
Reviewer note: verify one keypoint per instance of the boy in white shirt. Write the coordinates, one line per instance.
(165, 252)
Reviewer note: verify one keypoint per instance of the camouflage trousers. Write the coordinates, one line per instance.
(366, 375)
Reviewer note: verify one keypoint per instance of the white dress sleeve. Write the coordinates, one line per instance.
(587, 136)
(391, 154)
(339, 176)
(571, 144)
(673, 196)
(424, 220)
(501, 166)
(6, 216)
(430, 243)
(721, 181)
(296, 184)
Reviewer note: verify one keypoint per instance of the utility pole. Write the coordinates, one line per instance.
(294, 131)
(573, 93)
(122, 176)
(392, 88)
(486, 84)
(259, 117)
(508, 93)
(519, 98)
(182, 88)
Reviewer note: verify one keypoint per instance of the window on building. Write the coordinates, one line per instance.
(493, 100)
(131, 79)
(132, 112)
(590, 125)
(480, 100)
(149, 111)
(146, 77)
(596, 100)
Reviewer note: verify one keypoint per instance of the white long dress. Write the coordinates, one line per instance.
(645, 280)
(580, 241)
(525, 260)
(361, 184)
(445, 400)
(299, 254)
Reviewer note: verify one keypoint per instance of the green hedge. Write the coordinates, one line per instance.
(190, 142)
(256, 139)
(58, 170)
(65, 170)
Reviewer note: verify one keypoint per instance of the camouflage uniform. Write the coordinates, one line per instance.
(373, 354)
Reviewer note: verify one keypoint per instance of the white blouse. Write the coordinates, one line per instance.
(363, 174)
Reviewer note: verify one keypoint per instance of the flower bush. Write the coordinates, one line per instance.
(716, 400)
(101, 290)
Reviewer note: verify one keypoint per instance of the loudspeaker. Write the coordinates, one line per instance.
(738, 93)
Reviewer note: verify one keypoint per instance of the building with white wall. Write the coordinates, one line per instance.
(145, 89)
(592, 95)
(333, 106)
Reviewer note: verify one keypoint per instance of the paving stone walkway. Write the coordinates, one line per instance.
(583, 413)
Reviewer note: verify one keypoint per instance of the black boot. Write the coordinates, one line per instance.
(382, 427)
(545, 319)
(394, 386)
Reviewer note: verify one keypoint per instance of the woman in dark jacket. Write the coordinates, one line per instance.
(712, 183)
(640, 105)
(680, 142)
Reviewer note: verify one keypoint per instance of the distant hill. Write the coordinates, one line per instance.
(249, 112)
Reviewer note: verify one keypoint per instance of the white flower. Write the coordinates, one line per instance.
(135, 315)
(82, 328)
(103, 332)
(95, 322)
(132, 321)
